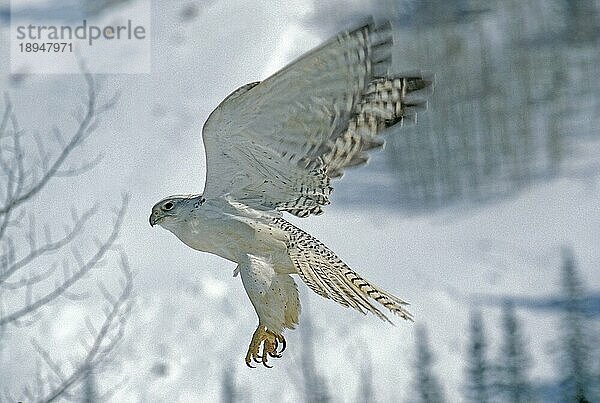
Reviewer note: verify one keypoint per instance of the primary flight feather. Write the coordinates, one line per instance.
(273, 147)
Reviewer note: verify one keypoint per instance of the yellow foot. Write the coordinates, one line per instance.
(270, 343)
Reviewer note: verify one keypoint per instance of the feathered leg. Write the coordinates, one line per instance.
(275, 299)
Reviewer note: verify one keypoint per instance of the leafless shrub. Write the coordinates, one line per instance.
(38, 267)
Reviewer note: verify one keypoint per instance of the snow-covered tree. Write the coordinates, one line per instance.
(427, 386)
(477, 388)
(229, 392)
(575, 365)
(514, 361)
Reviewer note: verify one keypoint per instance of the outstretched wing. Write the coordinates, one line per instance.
(276, 144)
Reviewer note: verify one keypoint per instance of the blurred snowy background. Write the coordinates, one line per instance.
(485, 216)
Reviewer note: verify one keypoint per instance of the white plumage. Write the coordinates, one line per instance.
(273, 146)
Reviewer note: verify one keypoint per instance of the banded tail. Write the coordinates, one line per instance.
(330, 277)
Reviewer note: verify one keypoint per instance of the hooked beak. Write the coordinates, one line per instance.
(153, 220)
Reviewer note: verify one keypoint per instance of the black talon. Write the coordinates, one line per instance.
(266, 365)
(248, 364)
(283, 344)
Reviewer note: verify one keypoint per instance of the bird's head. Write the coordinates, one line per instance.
(171, 209)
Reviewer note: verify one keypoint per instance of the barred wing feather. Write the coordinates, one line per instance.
(274, 145)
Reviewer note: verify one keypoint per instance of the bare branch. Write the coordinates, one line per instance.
(109, 104)
(27, 166)
(2, 328)
(20, 175)
(106, 294)
(33, 279)
(81, 271)
(48, 247)
(76, 171)
(87, 124)
(49, 361)
(44, 158)
(100, 349)
(4, 223)
(6, 115)
(80, 296)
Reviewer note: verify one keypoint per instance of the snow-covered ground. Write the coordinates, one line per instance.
(192, 320)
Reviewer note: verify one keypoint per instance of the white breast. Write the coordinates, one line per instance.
(233, 236)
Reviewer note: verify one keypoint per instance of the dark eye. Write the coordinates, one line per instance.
(168, 206)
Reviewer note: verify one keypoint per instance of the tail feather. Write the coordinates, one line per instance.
(330, 277)
(391, 302)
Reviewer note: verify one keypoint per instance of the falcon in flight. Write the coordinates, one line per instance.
(273, 147)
